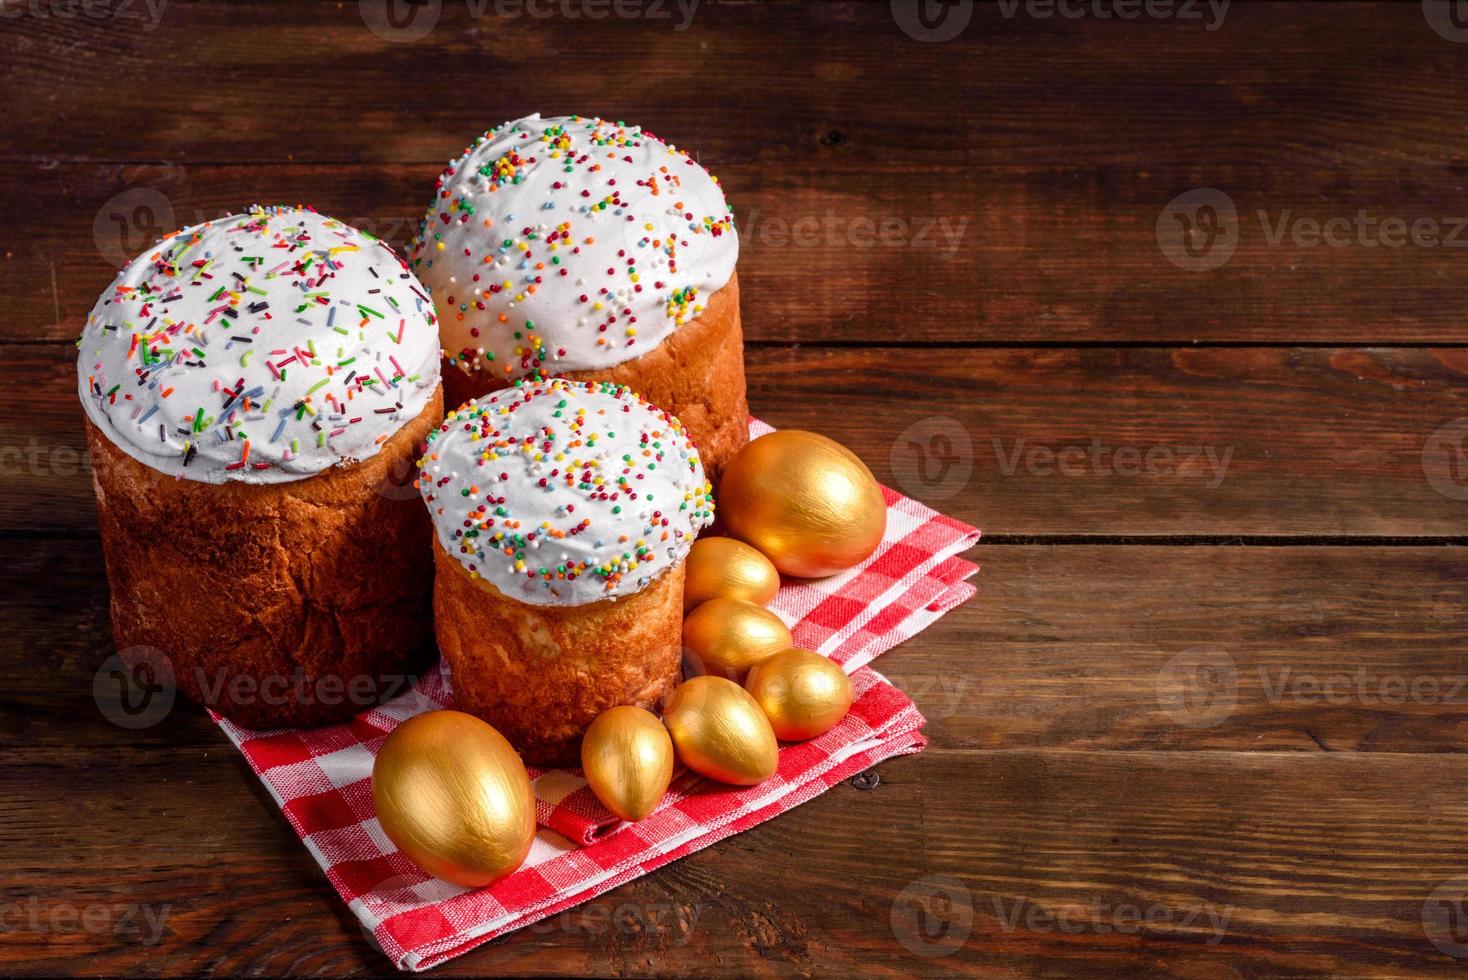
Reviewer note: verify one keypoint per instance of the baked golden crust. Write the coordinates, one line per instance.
(541, 674)
(696, 374)
(283, 604)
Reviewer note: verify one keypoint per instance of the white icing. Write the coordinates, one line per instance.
(562, 493)
(289, 331)
(570, 244)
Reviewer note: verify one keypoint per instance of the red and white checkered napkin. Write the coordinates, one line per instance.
(322, 777)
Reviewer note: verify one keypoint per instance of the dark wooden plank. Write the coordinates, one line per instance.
(1002, 257)
(1135, 442)
(1300, 649)
(1296, 649)
(250, 82)
(1271, 864)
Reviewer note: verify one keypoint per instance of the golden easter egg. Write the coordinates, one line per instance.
(719, 731)
(728, 569)
(627, 757)
(806, 501)
(802, 693)
(726, 637)
(454, 797)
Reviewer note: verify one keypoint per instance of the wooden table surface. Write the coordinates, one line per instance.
(1172, 307)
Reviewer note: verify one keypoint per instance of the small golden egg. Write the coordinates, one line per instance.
(453, 795)
(802, 693)
(726, 637)
(720, 732)
(804, 500)
(627, 757)
(723, 567)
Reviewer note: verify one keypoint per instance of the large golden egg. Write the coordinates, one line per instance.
(729, 569)
(454, 797)
(720, 732)
(802, 693)
(726, 637)
(805, 501)
(627, 757)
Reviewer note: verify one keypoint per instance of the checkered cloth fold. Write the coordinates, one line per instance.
(321, 777)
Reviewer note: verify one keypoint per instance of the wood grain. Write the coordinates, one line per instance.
(999, 257)
(1101, 442)
(1232, 856)
(1377, 87)
(959, 213)
(1259, 747)
(1084, 648)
